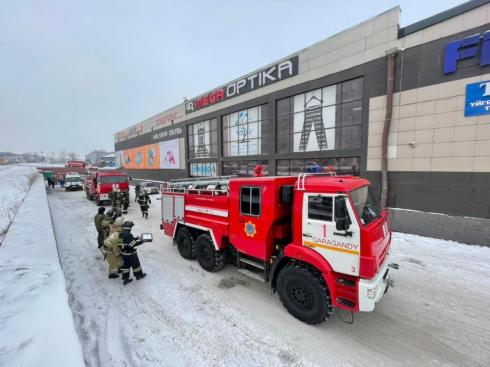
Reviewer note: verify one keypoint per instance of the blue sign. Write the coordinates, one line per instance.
(477, 99)
(465, 49)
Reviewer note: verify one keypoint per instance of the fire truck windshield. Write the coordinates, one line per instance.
(113, 179)
(366, 204)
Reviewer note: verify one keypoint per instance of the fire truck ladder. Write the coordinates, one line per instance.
(219, 184)
(300, 183)
(252, 267)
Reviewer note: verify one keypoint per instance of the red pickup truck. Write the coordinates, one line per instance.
(98, 185)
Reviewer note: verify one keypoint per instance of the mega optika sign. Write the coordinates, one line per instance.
(272, 74)
(467, 48)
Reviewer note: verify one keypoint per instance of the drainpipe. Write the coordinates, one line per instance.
(390, 79)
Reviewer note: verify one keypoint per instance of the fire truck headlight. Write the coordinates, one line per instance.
(371, 293)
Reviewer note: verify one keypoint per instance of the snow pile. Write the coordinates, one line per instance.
(14, 184)
(36, 324)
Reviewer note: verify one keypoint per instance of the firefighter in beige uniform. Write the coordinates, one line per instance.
(112, 245)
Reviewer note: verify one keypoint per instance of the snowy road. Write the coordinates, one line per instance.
(180, 315)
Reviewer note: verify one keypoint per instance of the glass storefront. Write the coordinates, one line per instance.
(291, 167)
(325, 120)
(244, 168)
(205, 169)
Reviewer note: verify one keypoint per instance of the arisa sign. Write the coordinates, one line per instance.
(477, 99)
(283, 70)
(465, 49)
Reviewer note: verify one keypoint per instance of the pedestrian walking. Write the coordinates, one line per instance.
(99, 217)
(130, 254)
(137, 190)
(125, 202)
(144, 202)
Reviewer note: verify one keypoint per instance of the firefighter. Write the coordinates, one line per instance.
(116, 199)
(112, 248)
(125, 202)
(137, 190)
(99, 217)
(129, 254)
(144, 201)
(107, 222)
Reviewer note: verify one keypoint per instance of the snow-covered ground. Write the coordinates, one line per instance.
(180, 315)
(14, 184)
(36, 323)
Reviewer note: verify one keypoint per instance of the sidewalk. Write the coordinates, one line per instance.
(36, 323)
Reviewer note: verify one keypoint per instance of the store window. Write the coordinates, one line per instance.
(323, 119)
(203, 139)
(244, 168)
(243, 132)
(345, 166)
(205, 169)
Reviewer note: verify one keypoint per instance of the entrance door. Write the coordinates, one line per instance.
(340, 248)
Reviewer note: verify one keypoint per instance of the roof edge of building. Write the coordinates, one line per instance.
(441, 17)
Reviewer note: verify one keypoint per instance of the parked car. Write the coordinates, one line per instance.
(150, 187)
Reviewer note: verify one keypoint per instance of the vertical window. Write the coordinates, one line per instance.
(322, 119)
(250, 201)
(243, 132)
(202, 139)
(320, 208)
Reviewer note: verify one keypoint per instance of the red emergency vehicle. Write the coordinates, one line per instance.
(75, 164)
(321, 240)
(98, 185)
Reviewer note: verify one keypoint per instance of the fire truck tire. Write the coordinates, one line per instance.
(185, 244)
(207, 256)
(304, 293)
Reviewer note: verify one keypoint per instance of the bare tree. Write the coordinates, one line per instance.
(51, 157)
(62, 155)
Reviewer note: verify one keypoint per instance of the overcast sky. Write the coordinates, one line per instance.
(74, 72)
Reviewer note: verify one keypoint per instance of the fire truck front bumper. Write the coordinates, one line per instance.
(372, 290)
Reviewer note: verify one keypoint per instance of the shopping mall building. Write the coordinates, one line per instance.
(425, 87)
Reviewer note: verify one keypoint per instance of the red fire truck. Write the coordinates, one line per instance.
(321, 240)
(98, 185)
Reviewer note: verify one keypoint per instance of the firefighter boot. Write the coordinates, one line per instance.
(126, 281)
(141, 276)
(113, 276)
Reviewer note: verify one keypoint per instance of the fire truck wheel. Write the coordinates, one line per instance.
(304, 293)
(207, 256)
(185, 244)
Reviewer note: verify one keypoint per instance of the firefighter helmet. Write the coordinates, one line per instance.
(128, 224)
(119, 221)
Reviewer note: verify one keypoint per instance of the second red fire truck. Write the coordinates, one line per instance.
(320, 240)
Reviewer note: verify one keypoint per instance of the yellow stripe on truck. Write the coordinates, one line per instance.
(331, 248)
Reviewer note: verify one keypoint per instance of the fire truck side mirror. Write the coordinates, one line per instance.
(342, 219)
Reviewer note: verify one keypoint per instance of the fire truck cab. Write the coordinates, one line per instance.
(320, 240)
